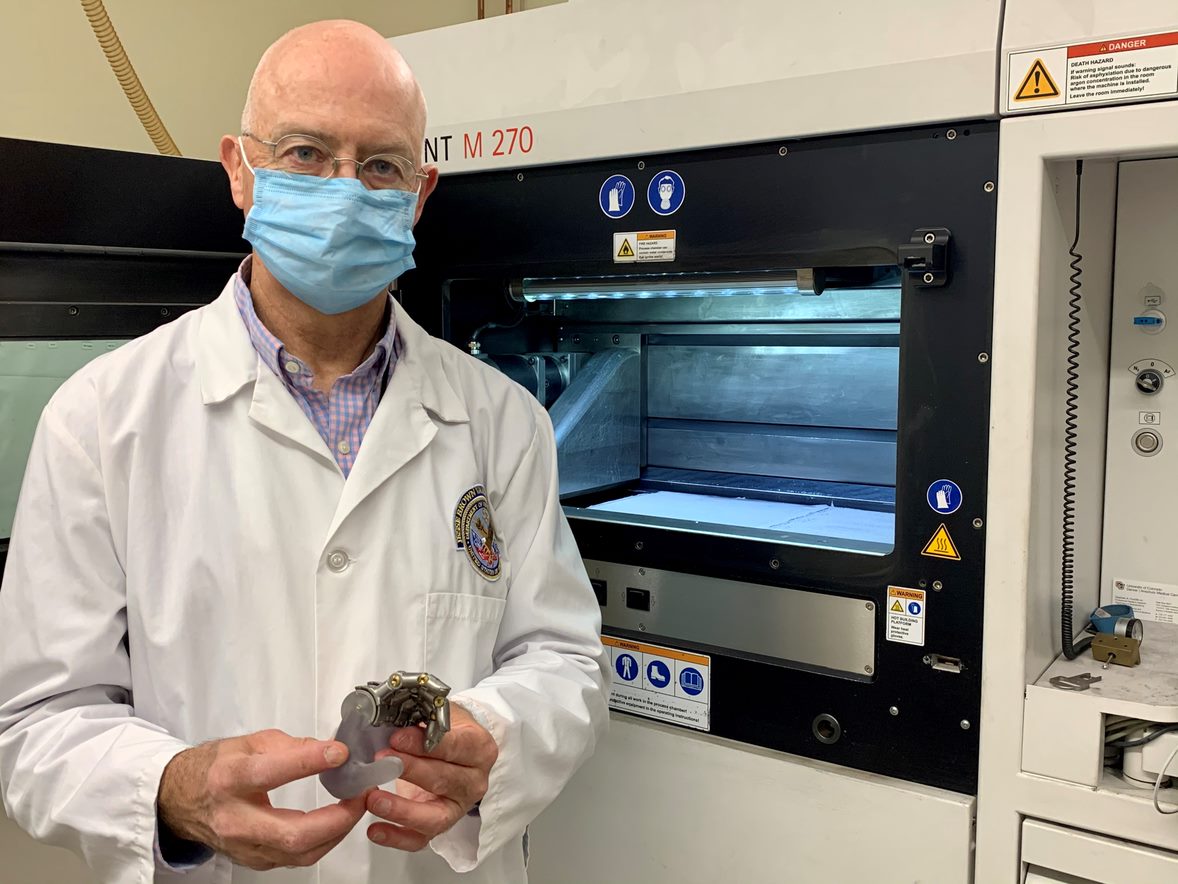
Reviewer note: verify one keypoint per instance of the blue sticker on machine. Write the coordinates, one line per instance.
(627, 667)
(666, 192)
(616, 196)
(944, 496)
(658, 673)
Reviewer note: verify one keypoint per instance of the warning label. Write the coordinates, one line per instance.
(660, 683)
(941, 546)
(906, 609)
(1036, 84)
(1125, 69)
(644, 246)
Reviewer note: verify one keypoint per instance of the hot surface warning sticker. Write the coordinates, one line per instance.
(1120, 70)
(660, 683)
(644, 245)
(905, 609)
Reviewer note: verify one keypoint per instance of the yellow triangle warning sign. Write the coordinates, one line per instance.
(626, 251)
(941, 546)
(896, 606)
(1037, 84)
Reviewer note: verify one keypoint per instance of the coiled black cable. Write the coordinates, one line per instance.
(1071, 649)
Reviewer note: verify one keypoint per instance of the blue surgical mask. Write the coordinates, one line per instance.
(331, 242)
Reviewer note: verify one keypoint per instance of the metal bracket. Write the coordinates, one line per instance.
(925, 257)
(1080, 682)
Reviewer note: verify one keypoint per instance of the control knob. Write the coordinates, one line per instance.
(1149, 381)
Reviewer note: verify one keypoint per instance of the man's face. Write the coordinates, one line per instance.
(345, 95)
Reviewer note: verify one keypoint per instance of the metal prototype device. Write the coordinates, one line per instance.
(369, 716)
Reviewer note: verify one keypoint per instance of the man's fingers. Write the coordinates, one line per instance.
(469, 746)
(393, 836)
(462, 785)
(427, 817)
(275, 762)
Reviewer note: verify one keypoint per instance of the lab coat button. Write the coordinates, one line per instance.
(337, 560)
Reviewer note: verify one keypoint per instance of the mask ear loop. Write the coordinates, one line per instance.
(244, 158)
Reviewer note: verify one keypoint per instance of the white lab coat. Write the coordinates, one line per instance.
(168, 583)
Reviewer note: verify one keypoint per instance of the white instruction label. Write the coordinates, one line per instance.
(906, 610)
(1118, 70)
(660, 683)
(1150, 601)
(644, 246)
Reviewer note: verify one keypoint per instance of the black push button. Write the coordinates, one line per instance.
(638, 599)
(599, 590)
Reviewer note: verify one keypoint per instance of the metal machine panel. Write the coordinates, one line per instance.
(795, 385)
(863, 456)
(808, 629)
(621, 78)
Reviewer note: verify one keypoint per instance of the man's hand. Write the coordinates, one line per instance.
(437, 789)
(215, 793)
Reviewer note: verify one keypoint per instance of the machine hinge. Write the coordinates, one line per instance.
(925, 257)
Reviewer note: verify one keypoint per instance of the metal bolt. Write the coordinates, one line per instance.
(927, 659)
(928, 277)
(576, 339)
(951, 134)
(782, 151)
(164, 311)
(977, 523)
(893, 710)
(988, 187)
(774, 564)
(638, 545)
(983, 358)
(868, 670)
(870, 606)
(930, 238)
(641, 165)
(617, 339)
(519, 176)
(531, 360)
(965, 725)
(73, 311)
(642, 627)
(938, 586)
(922, 583)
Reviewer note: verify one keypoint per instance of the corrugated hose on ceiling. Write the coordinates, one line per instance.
(112, 47)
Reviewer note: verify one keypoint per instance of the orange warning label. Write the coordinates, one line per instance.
(668, 653)
(899, 592)
(656, 234)
(941, 546)
(1037, 84)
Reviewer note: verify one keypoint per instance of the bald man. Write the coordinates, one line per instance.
(228, 524)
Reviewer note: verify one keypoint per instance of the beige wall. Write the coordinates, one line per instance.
(195, 60)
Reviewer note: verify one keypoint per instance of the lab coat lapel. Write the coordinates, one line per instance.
(419, 398)
(227, 361)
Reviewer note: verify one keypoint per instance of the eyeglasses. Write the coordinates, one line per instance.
(307, 155)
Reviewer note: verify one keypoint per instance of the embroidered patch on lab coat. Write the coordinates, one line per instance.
(474, 532)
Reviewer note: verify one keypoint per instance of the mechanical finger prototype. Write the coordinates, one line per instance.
(369, 716)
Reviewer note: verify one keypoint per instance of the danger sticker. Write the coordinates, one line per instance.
(661, 683)
(906, 610)
(1121, 70)
(644, 246)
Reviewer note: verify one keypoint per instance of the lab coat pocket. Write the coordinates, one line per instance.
(460, 634)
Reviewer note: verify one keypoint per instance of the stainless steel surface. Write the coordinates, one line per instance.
(834, 455)
(852, 304)
(598, 423)
(805, 386)
(806, 629)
